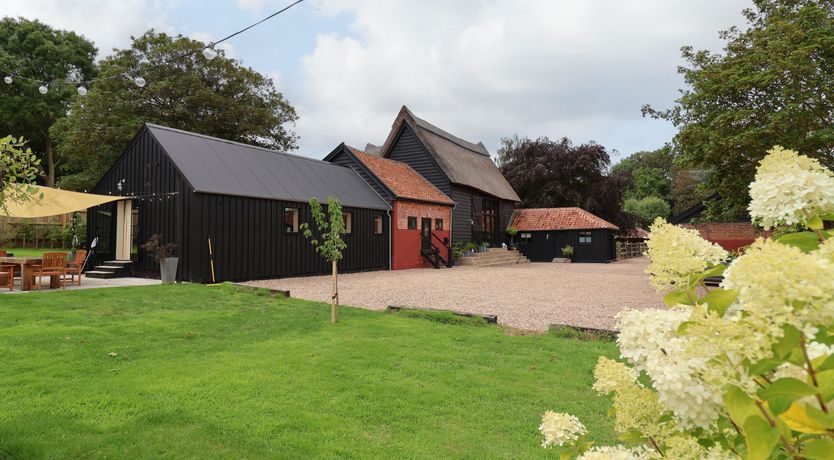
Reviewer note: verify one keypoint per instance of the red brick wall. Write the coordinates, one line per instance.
(729, 235)
(405, 251)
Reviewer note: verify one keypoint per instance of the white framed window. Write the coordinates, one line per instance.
(291, 220)
(348, 218)
(525, 237)
(584, 237)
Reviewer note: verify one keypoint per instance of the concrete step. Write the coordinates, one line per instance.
(496, 258)
(102, 274)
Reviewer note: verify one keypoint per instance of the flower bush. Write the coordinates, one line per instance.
(744, 370)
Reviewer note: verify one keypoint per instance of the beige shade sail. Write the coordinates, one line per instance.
(48, 201)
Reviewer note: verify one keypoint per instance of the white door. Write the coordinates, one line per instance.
(124, 211)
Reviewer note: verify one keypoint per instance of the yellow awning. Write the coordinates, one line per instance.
(54, 202)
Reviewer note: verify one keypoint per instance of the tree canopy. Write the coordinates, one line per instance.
(773, 84)
(34, 50)
(217, 97)
(18, 169)
(547, 173)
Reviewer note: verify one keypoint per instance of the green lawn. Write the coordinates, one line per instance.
(203, 371)
(32, 252)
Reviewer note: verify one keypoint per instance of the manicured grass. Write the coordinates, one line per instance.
(203, 371)
(32, 252)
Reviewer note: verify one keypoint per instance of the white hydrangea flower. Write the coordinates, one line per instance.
(649, 341)
(560, 429)
(676, 252)
(618, 453)
(788, 187)
(780, 284)
(611, 375)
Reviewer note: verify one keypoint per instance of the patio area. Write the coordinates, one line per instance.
(86, 283)
(529, 297)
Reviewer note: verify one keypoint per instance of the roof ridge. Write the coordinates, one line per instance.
(460, 142)
(372, 157)
(242, 144)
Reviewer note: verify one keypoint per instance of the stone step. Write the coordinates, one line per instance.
(484, 261)
(121, 263)
(491, 253)
(500, 263)
(102, 274)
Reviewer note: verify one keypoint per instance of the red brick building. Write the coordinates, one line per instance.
(421, 217)
(729, 235)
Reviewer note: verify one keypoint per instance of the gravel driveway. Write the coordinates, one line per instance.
(530, 297)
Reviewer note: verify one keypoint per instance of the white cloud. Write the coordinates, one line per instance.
(107, 23)
(484, 69)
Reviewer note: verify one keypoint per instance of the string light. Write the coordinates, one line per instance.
(209, 52)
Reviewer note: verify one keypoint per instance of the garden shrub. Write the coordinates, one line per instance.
(745, 370)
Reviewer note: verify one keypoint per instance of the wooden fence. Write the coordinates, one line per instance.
(40, 232)
(629, 249)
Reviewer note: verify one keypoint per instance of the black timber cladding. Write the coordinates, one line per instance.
(247, 233)
(408, 149)
(544, 246)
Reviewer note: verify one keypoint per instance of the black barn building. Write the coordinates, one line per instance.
(543, 232)
(249, 201)
(465, 172)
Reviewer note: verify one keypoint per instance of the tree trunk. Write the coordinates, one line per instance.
(334, 305)
(50, 164)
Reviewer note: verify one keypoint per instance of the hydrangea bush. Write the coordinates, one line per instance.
(744, 370)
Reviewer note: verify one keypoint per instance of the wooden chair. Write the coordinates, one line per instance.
(74, 266)
(14, 268)
(53, 264)
(7, 276)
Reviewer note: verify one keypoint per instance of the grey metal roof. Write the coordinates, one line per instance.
(213, 165)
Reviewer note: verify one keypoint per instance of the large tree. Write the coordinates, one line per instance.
(35, 51)
(651, 171)
(547, 173)
(217, 97)
(772, 84)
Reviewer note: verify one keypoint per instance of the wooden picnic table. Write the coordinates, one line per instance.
(27, 266)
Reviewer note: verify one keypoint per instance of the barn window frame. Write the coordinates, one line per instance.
(293, 227)
(586, 238)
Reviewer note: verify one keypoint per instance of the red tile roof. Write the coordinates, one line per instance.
(405, 182)
(543, 219)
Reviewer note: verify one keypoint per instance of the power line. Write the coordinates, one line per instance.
(208, 51)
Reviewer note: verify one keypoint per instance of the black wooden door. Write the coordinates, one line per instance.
(425, 233)
(489, 220)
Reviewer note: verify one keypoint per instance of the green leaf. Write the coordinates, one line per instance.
(781, 393)
(819, 449)
(676, 298)
(696, 278)
(788, 342)
(828, 216)
(827, 365)
(764, 366)
(761, 438)
(815, 223)
(718, 300)
(825, 382)
(632, 437)
(738, 404)
(806, 241)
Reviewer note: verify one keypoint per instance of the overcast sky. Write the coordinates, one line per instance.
(481, 69)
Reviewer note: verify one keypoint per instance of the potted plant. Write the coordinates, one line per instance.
(469, 248)
(457, 252)
(483, 246)
(162, 254)
(512, 232)
(567, 252)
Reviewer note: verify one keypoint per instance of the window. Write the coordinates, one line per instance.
(348, 218)
(584, 237)
(438, 224)
(377, 225)
(525, 237)
(291, 220)
(412, 223)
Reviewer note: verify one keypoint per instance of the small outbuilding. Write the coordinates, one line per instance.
(543, 232)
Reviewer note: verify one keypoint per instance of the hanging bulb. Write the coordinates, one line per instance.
(140, 82)
(43, 89)
(209, 52)
(82, 91)
(8, 79)
(69, 112)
